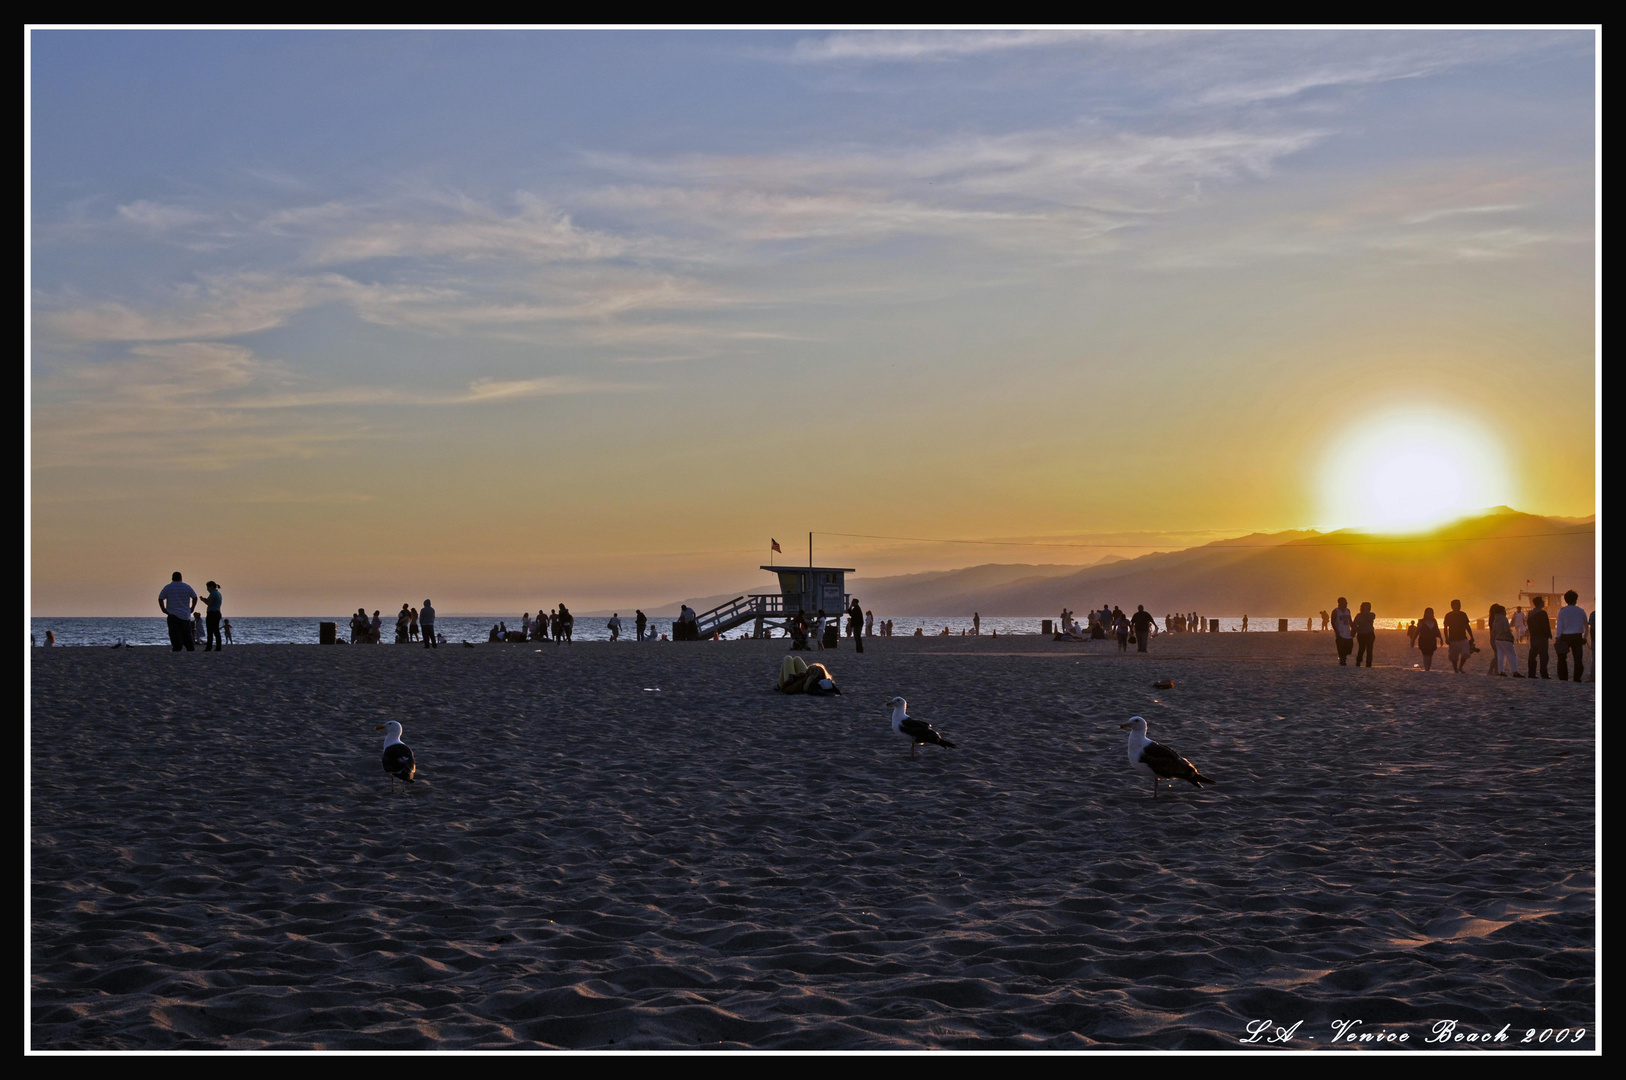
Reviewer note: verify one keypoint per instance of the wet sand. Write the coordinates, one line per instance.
(624, 846)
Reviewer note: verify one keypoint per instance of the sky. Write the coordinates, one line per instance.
(510, 318)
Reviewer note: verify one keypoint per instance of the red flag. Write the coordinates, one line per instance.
(776, 546)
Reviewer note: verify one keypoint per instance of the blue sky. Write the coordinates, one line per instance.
(974, 283)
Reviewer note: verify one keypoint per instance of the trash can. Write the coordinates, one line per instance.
(1281, 626)
(1045, 627)
(327, 633)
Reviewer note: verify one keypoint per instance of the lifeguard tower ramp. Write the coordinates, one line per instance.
(801, 588)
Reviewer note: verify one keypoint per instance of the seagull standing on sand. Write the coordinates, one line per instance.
(918, 732)
(1156, 760)
(398, 759)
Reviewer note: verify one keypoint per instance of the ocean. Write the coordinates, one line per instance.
(302, 630)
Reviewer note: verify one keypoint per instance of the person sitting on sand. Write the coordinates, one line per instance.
(495, 635)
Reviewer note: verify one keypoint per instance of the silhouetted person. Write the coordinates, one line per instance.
(1428, 638)
(1572, 627)
(426, 620)
(1142, 621)
(1459, 636)
(1343, 631)
(640, 621)
(177, 601)
(1365, 627)
(212, 603)
(1539, 625)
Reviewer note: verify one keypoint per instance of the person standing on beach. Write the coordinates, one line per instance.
(639, 622)
(1459, 636)
(1120, 625)
(1143, 622)
(1244, 624)
(225, 626)
(1521, 623)
(855, 624)
(976, 624)
(1343, 632)
(614, 626)
(213, 604)
(1502, 647)
(1365, 627)
(171, 600)
(1428, 638)
(426, 620)
(1539, 625)
(869, 624)
(197, 627)
(1572, 627)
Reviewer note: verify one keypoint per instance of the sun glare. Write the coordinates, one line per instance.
(1409, 470)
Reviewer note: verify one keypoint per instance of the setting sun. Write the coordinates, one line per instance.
(1410, 469)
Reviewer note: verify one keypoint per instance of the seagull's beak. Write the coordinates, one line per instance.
(380, 727)
(1124, 727)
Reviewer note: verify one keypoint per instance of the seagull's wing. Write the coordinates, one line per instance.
(1171, 766)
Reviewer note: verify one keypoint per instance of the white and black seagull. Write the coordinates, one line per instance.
(1156, 760)
(918, 732)
(398, 759)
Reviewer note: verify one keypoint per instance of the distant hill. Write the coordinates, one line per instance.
(1478, 560)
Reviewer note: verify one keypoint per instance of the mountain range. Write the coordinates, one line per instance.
(1479, 560)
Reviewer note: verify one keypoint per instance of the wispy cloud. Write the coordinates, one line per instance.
(914, 45)
(210, 405)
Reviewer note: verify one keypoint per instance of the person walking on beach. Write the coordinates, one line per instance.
(212, 602)
(1120, 626)
(1539, 625)
(177, 601)
(1428, 638)
(426, 620)
(225, 626)
(1521, 623)
(1459, 636)
(1343, 632)
(1365, 627)
(614, 626)
(1501, 633)
(1572, 627)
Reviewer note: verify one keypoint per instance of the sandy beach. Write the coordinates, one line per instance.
(625, 847)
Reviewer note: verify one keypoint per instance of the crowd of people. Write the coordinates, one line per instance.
(1570, 633)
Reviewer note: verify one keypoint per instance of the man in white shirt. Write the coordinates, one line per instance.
(1343, 629)
(614, 626)
(426, 620)
(1571, 631)
(177, 601)
(1519, 623)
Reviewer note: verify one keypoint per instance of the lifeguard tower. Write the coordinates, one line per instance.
(801, 588)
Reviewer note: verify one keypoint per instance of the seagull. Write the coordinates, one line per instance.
(918, 732)
(398, 759)
(1156, 760)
